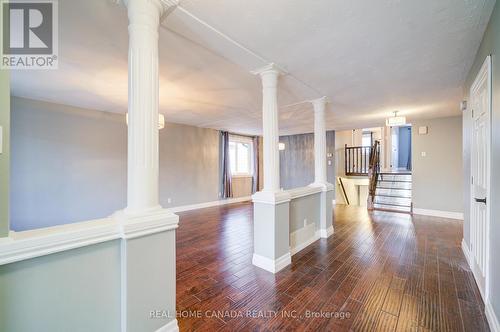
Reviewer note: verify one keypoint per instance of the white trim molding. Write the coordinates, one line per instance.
(171, 326)
(271, 197)
(304, 191)
(210, 204)
(46, 241)
(272, 265)
(438, 213)
(326, 233)
(491, 317)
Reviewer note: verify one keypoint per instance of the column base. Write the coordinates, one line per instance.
(150, 221)
(326, 233)
(147, 268)
(272, 265)
(271, 230)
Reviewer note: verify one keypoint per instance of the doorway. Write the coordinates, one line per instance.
(400, 138)
(480, 104)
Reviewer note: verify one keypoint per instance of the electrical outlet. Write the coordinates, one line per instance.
(169, 200)
(423, 154)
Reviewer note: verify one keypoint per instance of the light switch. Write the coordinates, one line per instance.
(424, 154)
(329, 163)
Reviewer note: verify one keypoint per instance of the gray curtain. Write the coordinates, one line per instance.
(256, 170)
(227, 189)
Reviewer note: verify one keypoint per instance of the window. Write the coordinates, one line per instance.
(240, 155)
(367, 138)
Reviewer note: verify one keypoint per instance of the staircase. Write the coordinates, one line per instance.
(393, 192)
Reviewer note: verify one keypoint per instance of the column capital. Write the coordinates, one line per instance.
(164, 6)
(322, 101)
(269, 69)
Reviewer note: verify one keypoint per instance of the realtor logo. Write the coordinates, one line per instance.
(29, 34)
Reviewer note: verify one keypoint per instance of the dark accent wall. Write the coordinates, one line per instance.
(489, 45)
(297, 160)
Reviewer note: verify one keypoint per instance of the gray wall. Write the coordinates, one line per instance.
(305, 208)
(297, 160)
(404, 146)
(189, 165)
(437, 177)
(5, 155)
(69, 164)
(489, 45)
(75, 290)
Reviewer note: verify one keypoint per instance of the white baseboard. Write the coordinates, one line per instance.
(272, 265)
(491, 317)
(169, 327)
(326, 233)
(210, 204)
(440, 214)
(466, 251)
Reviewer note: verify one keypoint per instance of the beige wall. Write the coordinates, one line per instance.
(438, 177)
(242, 186)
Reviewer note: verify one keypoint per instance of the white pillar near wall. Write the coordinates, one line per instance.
(271, 205)
(320, 178)
(148, 230)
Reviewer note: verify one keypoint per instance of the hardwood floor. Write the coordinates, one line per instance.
(378, 272)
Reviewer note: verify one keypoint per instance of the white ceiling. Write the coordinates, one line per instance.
(368, 57)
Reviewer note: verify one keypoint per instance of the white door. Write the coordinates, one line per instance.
(480, 149)
(394, 147)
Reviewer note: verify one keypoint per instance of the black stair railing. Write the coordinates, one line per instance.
(373, 173)
(357, 160)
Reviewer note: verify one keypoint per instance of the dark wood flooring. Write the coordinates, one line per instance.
(379, 272)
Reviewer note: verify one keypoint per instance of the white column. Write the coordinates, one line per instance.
(319, 141)
(271, 205)
(146, 229)
(320, 178)
(144, 22)
(269, 76)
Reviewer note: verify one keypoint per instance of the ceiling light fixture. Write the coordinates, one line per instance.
(395, 121)
(161, 120)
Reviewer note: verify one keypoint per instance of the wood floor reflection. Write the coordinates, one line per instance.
(379, 272)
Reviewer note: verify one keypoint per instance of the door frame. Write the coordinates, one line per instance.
(486, 70)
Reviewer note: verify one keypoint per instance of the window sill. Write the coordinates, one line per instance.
(236, 176)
